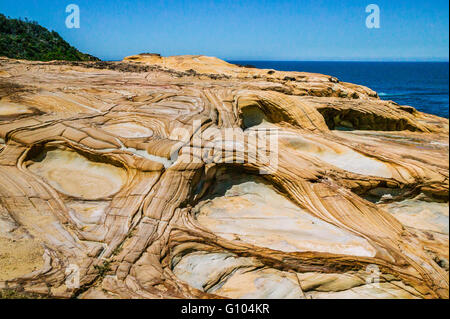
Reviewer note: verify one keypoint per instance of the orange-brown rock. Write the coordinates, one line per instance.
(190, 177)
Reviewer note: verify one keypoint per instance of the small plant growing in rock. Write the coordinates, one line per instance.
(103, 269)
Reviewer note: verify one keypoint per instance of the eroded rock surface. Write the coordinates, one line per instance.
(157, 177)
(246, 208)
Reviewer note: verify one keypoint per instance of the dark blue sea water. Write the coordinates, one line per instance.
(423, 85)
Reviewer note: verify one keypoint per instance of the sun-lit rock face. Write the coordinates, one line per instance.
(128, 130)
(421, 214)
(74, 175)
(236, 277)
(247, 209)
(19, 257)
(14, 110)
(190, 177)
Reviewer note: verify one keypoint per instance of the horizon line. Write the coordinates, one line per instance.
(334, 60)
(430, 60)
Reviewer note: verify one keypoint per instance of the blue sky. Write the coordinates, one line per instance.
(249, 30)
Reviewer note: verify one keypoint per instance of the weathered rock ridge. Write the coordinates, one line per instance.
(124, 175)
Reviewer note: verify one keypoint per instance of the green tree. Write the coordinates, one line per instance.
(24, 39)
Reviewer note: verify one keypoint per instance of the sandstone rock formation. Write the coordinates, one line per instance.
(124, 175)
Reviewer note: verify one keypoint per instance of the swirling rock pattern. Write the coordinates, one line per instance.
(122, 173)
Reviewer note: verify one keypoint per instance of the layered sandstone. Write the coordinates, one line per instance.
(125, 174)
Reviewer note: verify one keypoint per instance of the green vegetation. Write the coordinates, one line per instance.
(17, 294)
(103, 270)
(30, 41)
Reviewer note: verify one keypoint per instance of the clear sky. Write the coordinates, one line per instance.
(249, 30)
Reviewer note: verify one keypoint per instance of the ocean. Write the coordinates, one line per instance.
(423, 85)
